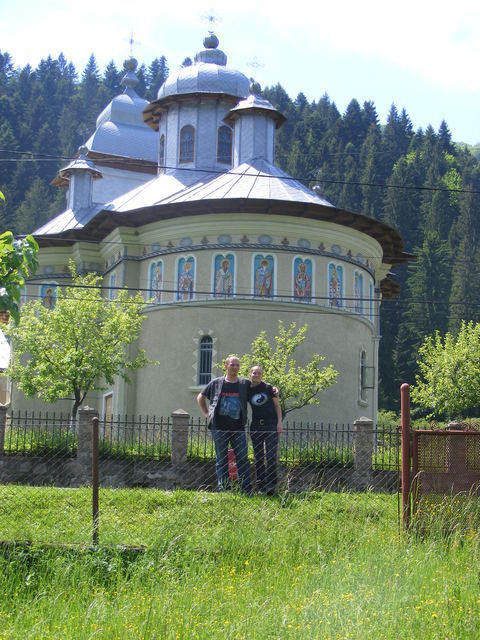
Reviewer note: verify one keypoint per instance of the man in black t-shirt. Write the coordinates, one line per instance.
(227, 415)
(265, 429)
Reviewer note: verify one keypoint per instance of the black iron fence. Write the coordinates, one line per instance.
(150, 437)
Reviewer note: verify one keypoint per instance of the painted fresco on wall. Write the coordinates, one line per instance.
(224, 275)
(186, 277)
(358, 292)
(112, 283)
(335, 285)
(302, 280)
(264, 272)
(156, 282)
(48, 295)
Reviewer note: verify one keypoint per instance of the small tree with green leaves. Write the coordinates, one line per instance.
(449, 379)
(297, 385)
(80, 345)
(18, 260)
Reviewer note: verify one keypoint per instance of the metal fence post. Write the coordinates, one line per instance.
(180, 419)
(362, 453)
(3, 424)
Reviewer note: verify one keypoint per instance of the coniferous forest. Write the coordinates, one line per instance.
(418, 181)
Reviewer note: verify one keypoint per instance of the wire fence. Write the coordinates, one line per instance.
(48, 458)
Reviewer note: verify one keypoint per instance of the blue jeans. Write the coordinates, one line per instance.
(238, 442)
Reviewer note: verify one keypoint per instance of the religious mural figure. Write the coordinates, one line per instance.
(49, 296)
(156, 281)
(302, 282)
(112, 284)
(358, 292)
(224, 269)
(185, 279)
(335, 285)
(263, 286)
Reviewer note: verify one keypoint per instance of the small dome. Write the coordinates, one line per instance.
(209, 74)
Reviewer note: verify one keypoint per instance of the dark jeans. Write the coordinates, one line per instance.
(238, 442)
(265, 445)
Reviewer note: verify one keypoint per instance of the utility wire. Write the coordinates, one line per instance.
(303, 179)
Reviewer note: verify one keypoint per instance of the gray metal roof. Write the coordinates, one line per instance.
(257, 179)
(209, 74)
(68, 220)
(121, 130)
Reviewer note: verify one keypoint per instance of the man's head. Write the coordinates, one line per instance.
(232, 365)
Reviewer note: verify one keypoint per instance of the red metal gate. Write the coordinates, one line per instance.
(436, 462)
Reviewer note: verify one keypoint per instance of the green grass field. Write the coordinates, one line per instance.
(318, 565)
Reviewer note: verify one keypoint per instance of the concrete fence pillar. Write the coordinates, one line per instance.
(3, 425)
(362, 453)
(180, 419)
(84, 436)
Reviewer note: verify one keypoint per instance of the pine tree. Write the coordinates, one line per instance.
(427, 291)
(33, 212)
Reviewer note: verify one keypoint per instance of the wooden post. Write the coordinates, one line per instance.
(406, 485)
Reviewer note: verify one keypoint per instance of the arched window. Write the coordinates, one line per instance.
(363, 375)
(224, 145)
(205, 360)
(161, 152)
(187, 143)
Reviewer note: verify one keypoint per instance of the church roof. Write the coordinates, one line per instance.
(208, 75)
(120, 128)
(257, 179)
(256, 187)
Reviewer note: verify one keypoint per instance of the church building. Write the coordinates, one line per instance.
(181, 198)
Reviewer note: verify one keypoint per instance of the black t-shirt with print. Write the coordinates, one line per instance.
(263, 410)
(228, 415)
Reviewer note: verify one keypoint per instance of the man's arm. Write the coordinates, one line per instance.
(278, 410)
(202, 403)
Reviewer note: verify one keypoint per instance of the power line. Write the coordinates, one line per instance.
(303, 179)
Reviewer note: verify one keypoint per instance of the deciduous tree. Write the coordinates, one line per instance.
(297, 385)
(449, 379)
(18, 259)
(79, 346)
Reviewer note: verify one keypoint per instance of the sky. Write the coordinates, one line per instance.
(423, 55)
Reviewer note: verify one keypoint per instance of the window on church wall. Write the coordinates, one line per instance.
(205, 360)
(263, 276)
(302, 279)
(335, 285)
(224, 145)
(358, 292)
(363, 375)
(187, 143)
(161, 152)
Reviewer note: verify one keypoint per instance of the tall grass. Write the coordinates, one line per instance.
(318, 565)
